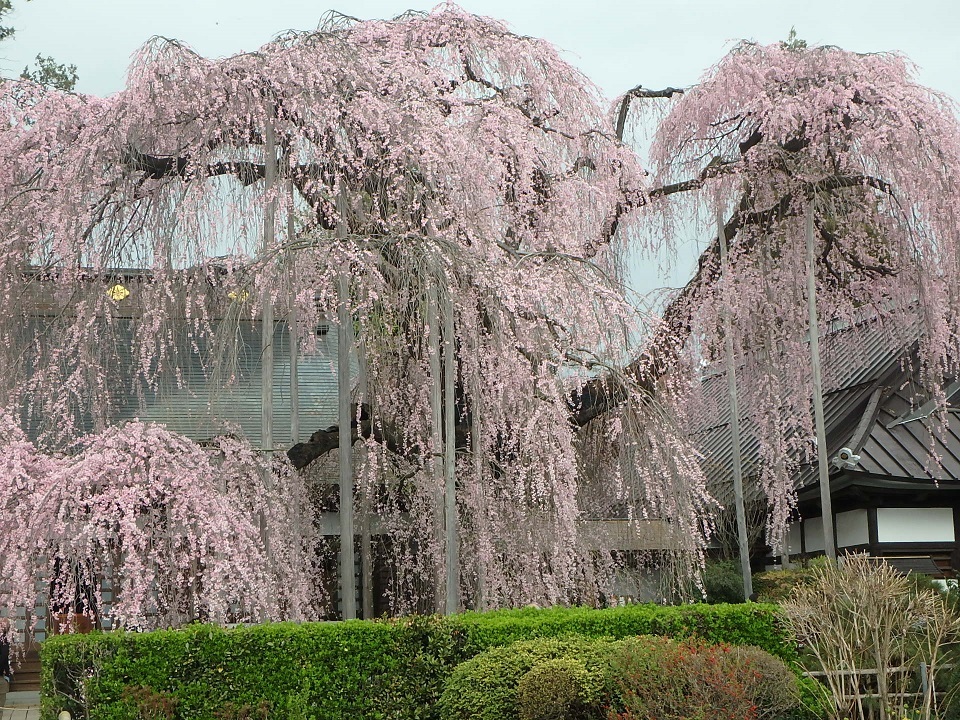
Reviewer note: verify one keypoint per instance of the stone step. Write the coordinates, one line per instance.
(23, 681)
(26, 673)
(26, 698)
(24, 687)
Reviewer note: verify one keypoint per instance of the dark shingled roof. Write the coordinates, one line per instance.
(872, 405)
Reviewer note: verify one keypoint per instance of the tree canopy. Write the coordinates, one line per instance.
(771, 134)
(477, 198)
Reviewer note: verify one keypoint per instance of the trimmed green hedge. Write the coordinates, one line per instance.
(755, 624)
(391, 669)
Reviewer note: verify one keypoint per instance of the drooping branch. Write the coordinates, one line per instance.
(607, 393)
(610, 391)
(663, 348)
(634, 199)
(324, 441)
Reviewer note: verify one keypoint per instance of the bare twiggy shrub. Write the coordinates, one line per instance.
(861, 615)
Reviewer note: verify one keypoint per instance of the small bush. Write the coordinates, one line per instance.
(487, 687)
(723, 582)
(678, 681)
(768, 683)
(555, 690)
(659, 678)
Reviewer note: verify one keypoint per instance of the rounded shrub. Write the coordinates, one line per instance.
(659, 678)
(559, 689)
(653, 677)
(768, 683)
(488, 686)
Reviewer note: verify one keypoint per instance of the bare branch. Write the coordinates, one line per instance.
(640, 92)
(157, 167)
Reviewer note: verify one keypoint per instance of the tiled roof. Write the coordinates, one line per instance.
(867, 388)
(918, 448)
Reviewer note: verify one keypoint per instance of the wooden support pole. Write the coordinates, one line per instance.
(348, 580)
(266, 325)
(452, 559)
(293, 329)
(266, 337)
(481, 522)
(366, 558)
(436, 437)
(366, 541)
(737, 451)
(826, 502)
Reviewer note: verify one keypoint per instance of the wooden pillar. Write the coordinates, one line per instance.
(266, 325)
(480, 519)
(348, 581)
(266, 337)
(366, 558)
(366, 502)
(742, 540)
(826, 502)
(293, 329)
(452, 557)
(436, 437)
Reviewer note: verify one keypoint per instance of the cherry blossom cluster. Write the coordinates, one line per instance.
(141, 528)
(455, 175)
(771, 134)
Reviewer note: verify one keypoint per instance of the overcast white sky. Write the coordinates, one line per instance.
(617, 43)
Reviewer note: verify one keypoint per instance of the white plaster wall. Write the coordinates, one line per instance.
(793, 538)
(915, 525)
(852, 528)
(813, 534)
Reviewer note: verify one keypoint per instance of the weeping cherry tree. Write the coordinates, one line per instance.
(770, 136)
(459, 188)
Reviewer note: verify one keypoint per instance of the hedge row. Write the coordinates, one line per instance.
(389, 669)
